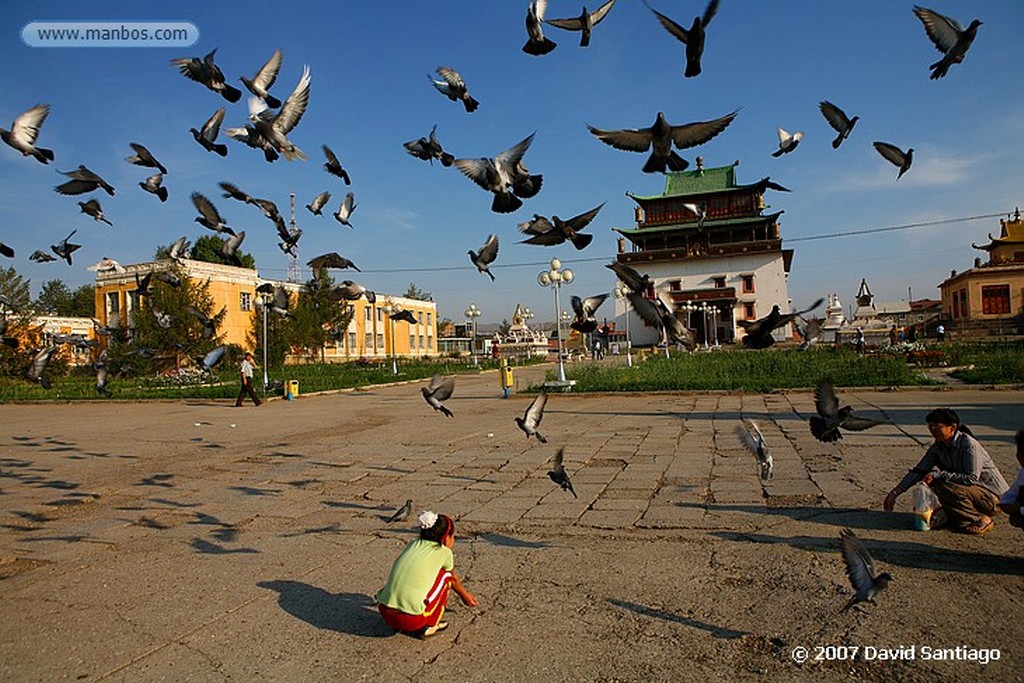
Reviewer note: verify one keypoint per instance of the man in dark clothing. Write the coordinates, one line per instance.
(247, 389)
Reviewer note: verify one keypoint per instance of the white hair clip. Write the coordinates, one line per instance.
(427, 519)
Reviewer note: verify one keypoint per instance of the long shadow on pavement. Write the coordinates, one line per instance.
(351, 613)
(855, 518)
(716, 631)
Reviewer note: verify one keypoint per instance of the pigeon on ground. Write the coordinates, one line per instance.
(660, 138)
(751, 437)
(205, 71)
(584, 23)
(501, 175)
(83, 180)
(38, 367)
(532, 417)
(558, 474)
(659, 314)
(759, 332)
(265, 78)
(333, 166)
(207, 137)
(402, 513)
(440, 389)
(209, 218)
(486, 256)
(229, 248)
(949, 38)
(180, 249)
(429, 148)
(630, 277)
(251, 137)
(232, 192)
(210, 360)
(692, 38)
(584, 309)
(24, 131)
(825, 426)
(350, 291)
(143, 157)
(315, 207)
(561, 231)
(93, 208)
(896, 156)
(536, 43)
(40, 256)
(345, 209)
(840, 122)
(700, 211)
(209, 326)
(860, 568)
(330, 260)
(6, 250)
(154, 185)
(275, 127)
(65, 249)
(106, 265)
(453, 87)
(100, 367)
(787, 142)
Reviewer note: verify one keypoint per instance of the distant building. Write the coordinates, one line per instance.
(520, 341)
(733, 262)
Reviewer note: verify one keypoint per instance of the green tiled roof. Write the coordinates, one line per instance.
(709, 225)
(697, 182)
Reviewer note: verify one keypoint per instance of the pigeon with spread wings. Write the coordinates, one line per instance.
(867, 582)
(693, 37)
(561, 231)
(584, 23)
(453, 87)
(537, 44)
(274, 128)
(751, 437)
(503, 176)
(825, 426)
(205, 71)
(486, 256)
(24, 131)
(949, 38)
(532, 417)
(558, 474)
(440, 389)
(265, 78)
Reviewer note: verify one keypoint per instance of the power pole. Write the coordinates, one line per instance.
(294, 274)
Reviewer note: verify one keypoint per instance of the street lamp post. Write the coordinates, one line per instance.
(704, 318)
(390, 307)
(621, 291)
(472, 313)
(527, 317)
(555, 278)
(265, 298)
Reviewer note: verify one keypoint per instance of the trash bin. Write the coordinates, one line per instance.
(291, 389)
(505, 375)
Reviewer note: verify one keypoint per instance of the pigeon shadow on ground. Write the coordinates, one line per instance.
(254, 491)
(351, 613)
(351, 506)
(898, 553)
(855, 518)
(716, 631)
(208, 548)
(512, 541)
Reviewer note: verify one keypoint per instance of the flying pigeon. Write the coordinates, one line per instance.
(168, 278)
(840, 122)
(750, 436)
(860, 568)
(229, 248)
(207, 137)
(767, 184)
(561, 231)
(38, 367)
(630, 277)
(205, 71)
(585, 322)
(402, 513)
(154, 185)
(700, 210)
(232, 192)
(537, 44)
(660, 138)
(106, 265)
(896, 156)
(787, 142)
(209, 326)
(350, 291)
(501, 175)
(440, 389)
(949, 38)
(404, 315)
(279, 302)
(692, 38)
(143, 157)
(318, 203)
(345, 209)
(211, 359)
(24, 131)
(265, 78)
(810, 332)
(825, 426)
(660, 315)
(532, 417)
(83, 180)
(6, 250)
(429, 148)
(329, 260)
(275, 127)
(92, 208)
(558, 474)
(289, 240)
(486, 256)
(251, 137)
(759, 332)
(584, 23)
(64, 249)
(40, 256)
(163, 319)
(179, 250)
(209, 218)
(333, 166)
(453, 87)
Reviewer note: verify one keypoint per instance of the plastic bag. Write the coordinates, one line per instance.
(925, 503)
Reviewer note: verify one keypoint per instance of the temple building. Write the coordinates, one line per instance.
(706, 242)
(520, 341)
(987, 298)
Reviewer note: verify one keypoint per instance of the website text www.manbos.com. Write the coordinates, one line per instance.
(110, 34)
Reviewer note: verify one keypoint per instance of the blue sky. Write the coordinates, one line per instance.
(414, 223)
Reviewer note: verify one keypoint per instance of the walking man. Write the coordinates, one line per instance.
(247, 388)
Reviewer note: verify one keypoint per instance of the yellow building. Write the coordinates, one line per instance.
(233, 289)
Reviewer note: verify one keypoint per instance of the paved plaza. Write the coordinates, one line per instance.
(191, 540)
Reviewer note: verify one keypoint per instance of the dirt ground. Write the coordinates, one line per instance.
(195, 541)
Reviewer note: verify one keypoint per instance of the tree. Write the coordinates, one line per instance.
(83, 302)
(414, 292)
(504, 327)
(55, 298)
(316, 316)
(14, 289)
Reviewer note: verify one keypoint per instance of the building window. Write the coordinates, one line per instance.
(380, 340)
(748, 312)
(113, 305)
(748, 284)
(368, 313)
(429, 319)
(351, 341)
(412, 342)
(995, 299)
(720, 282)
(245, 301)
(675, 286)
(380, 315)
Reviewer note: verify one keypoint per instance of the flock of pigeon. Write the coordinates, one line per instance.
(505, 176)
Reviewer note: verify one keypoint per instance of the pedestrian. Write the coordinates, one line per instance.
(940, 332)
(901, 336)
(960, 473)
(912, 334)
(1012, 502)
(893, 335)
(414, 598)
(858, 340)
(245, 370)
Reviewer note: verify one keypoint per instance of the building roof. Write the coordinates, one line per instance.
(690, 225)
(699, 181)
